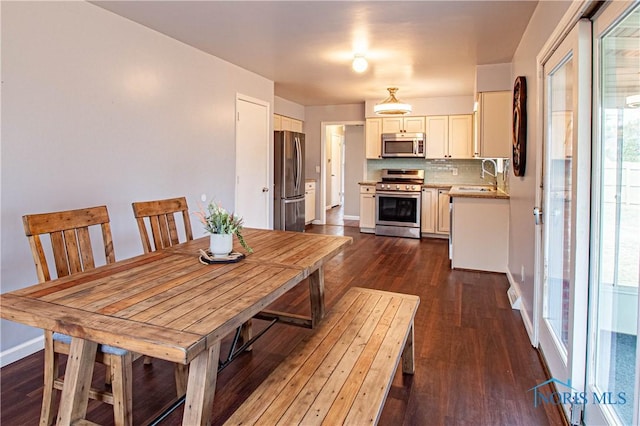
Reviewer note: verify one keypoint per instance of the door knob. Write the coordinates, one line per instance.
(537, 214)
(265, 189)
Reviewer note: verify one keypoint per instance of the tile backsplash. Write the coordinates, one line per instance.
(468, 171)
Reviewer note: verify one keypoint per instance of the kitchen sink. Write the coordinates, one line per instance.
(475, 189)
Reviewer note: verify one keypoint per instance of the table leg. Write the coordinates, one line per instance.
(316, 289)
(408, 354)
(77, 381)
(203, 372)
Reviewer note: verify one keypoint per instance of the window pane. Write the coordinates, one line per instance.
(619, 206)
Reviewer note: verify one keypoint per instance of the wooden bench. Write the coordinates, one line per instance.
(341, 373)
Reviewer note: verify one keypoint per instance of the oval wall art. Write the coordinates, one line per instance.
(519, 137)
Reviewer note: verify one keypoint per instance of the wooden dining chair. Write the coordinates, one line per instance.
(69, 234)
(160, 217)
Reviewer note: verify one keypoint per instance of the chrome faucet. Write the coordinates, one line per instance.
(495, 170)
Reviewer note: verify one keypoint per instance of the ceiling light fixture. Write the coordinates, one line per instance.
(633, 101)
(359, 64)
(391, 105)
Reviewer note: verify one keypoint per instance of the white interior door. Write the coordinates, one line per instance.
(565, 186)
(613, 357)
(252, 162)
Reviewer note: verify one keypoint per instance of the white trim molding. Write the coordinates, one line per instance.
(22, 350)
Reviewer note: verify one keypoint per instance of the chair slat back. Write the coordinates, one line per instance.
(160, 215)
(70, 240)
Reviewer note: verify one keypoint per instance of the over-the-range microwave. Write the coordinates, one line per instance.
(403, 145)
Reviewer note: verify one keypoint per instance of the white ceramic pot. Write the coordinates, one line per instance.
(221, 245)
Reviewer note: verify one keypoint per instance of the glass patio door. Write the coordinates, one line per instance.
(562, 313)
(613, 357)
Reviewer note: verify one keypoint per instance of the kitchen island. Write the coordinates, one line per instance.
(479, 228)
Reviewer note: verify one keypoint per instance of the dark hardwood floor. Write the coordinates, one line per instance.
(474, 362)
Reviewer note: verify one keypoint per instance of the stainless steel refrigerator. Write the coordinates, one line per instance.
(288, 181)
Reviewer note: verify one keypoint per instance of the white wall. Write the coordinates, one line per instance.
(493, 78)
(287, 108)
(99, 110)
(354, 156)
(522, 189)
(314, 117)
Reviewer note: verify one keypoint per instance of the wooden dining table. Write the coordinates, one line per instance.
(169, 305)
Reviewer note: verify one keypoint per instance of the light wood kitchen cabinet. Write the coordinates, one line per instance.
(449, 136)
(493, 138)
(367, 208)
(403, 125)
(428, 210)
(281, 122)
(373, 139)
(443, 212)
(434, 216)
(309, 202)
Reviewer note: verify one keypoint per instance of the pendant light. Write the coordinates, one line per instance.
(391, 105)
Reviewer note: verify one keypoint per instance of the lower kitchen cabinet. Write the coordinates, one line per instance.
(480, 234)
(367, 208)
(428, 210)
(434, 217)
(443, 212)
(309, 202)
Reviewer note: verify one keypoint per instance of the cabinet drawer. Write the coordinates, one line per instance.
(367, 189)
(310, 186)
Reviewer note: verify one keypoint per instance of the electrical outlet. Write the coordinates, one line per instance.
(317, 169)
(454, 171)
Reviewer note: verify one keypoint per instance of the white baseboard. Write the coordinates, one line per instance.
(349, 217)
(22, 350)
(514, 289)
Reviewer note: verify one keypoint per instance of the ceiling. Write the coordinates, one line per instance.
(425, 48)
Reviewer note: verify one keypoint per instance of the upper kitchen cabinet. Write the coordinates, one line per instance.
(449, 136)
(281, 122)
(403, 125)
(373, 138)
(493, 136)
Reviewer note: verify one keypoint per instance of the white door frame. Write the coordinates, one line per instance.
(566, 24)
(268, 148)
(323, 164)
(569, 367)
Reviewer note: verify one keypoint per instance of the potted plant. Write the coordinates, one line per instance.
(222, 226)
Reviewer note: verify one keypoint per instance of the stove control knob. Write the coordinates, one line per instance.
(397, 186)
(408, 187)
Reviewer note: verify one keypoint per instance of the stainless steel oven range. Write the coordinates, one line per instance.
(398, 200)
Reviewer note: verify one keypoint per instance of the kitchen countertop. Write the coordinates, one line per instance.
(456, 191)
(437, 185)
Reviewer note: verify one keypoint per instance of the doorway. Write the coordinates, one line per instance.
(588, 249)
(335, 166)
(342, 206)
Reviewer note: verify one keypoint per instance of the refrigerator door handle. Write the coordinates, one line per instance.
(298, 163)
